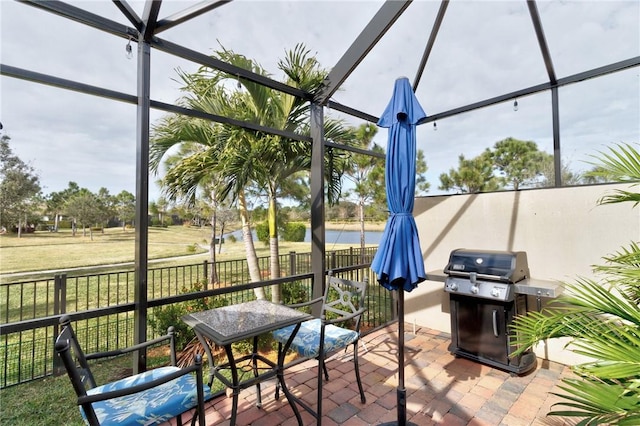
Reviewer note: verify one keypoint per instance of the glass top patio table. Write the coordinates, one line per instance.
(230, 324)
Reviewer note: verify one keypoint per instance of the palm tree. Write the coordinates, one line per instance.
(243, 158)
(360, 171)
(602, 320)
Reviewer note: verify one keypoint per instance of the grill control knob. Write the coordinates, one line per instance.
(474, 289)
(453, 286)
(495, 292)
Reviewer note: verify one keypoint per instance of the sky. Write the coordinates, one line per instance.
(484, 49)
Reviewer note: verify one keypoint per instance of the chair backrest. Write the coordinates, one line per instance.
(73, 357)
(344, 299)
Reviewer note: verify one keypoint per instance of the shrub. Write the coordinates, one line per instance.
(295, 292)
(170, 315)
(294, 231)
(262, 232)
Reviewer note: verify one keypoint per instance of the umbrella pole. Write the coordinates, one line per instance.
(401, 391)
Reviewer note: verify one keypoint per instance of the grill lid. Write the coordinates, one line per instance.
(503, 266)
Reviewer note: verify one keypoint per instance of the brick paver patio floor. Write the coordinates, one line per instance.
(441, 389)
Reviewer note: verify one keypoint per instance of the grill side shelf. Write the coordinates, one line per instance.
(539, 288)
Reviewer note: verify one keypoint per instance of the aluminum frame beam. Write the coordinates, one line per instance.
(542, 41)
(188, 14)
(27, 75)
(316, 186)
(368, 38)
(129, 13)
(141, 256)
(432, 39)
(150, 19)
(103, 24)
(575, 78)
(82, 16)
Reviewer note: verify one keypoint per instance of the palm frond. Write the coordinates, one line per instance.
(592, 295)
(597, 402)
(613, 345)
(601, 319)
(621, 163)
(620, 196)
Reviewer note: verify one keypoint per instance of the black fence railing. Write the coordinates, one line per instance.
(102, 304)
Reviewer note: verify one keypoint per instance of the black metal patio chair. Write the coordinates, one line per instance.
(339, 324)
(148, 398)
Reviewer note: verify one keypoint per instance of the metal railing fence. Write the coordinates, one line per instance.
(102, 304)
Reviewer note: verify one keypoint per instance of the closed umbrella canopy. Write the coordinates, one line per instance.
(398, 261)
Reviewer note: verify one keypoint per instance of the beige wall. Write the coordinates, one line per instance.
(563, 231)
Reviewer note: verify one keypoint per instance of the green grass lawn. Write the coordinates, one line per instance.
(44, 250)
(52, 401)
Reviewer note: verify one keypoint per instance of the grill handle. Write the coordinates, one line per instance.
(495, 323)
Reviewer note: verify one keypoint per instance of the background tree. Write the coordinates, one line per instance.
(226, 215)
(56, 201)
(344, 211)
(19, 188)
(422, 185)
(472, 176)
(358, 172)
(86, 209)
(519, 162)
(162, 207)
(125, 207)
(548, 174)
(108, 207)
(296, 189)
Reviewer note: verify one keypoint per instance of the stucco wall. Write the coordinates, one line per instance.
(563, 231)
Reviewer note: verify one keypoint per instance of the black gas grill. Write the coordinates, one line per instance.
(484, 302)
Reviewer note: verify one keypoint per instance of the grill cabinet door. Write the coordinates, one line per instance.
(482, 328)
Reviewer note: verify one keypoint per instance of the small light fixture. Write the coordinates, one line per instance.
(129, 49)
(515, 105)
(435, 127)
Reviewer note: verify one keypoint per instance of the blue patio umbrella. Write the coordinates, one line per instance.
(398, 261)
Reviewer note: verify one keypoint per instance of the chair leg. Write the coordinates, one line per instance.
(356, 364)
(196, 419)
(277, 395)
(326, 372)
(256, 372)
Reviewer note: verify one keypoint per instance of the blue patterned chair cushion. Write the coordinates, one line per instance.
(142, 408)
(307, 340)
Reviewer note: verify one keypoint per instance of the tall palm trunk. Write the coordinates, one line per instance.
(274, 251)
(252, 257)
(213, 275)
(362, 233)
